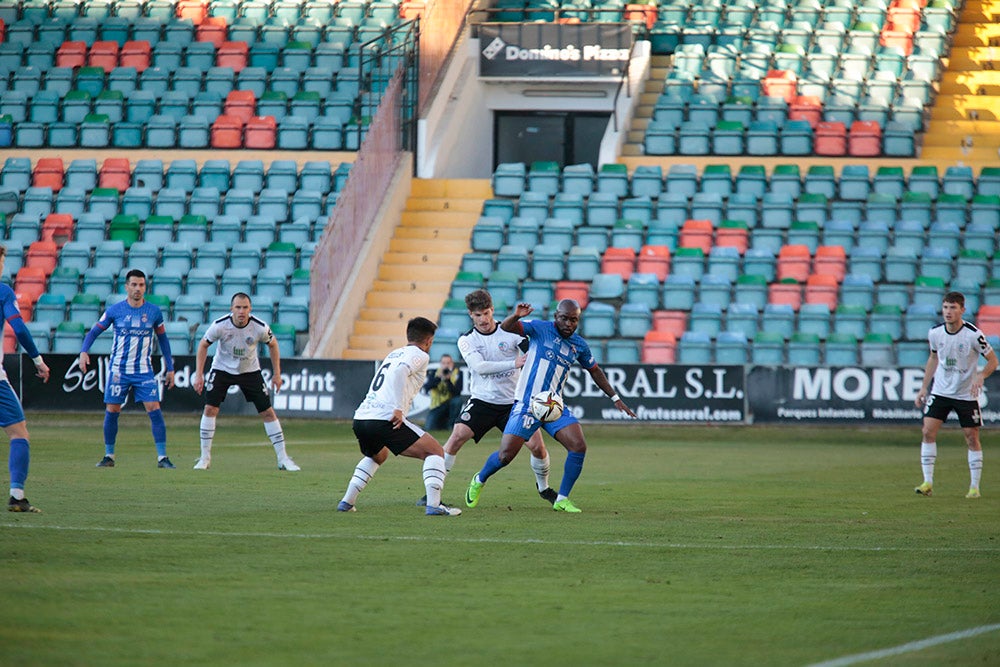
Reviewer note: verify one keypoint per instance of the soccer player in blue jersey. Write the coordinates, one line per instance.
(553, 348)
(11, 414)
(136, 322)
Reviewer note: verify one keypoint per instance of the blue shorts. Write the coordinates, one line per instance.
(144, 386)
(523, 424)
(10, 407)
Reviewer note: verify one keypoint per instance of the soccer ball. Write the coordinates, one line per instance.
(547, 406)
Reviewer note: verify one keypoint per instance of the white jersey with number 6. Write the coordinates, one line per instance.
(397, 380)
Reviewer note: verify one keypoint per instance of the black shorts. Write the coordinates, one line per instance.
(939, 407)
(252, 384)
(374, 434)
(481, 416)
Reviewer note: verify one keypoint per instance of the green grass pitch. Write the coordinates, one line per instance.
(696, 546)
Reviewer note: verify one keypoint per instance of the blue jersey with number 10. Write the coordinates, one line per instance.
(550, 356)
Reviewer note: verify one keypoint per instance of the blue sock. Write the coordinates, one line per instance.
(491, 466)
(19, 458)
(571, 472)
(110, 432)
(159, 431)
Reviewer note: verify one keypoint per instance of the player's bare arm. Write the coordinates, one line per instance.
(601, 380)
(275, 353)
(929, 369)
(979, 378)
(511, 323)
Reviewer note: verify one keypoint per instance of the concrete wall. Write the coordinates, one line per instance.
(456, 135)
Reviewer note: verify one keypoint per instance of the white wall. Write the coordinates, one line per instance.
(456, 135)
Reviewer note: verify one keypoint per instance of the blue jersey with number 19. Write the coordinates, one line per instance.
(134, 331)
(550, 356)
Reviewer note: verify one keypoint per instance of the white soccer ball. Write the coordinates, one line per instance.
(547, 406)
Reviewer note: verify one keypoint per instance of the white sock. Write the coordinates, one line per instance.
(434, 474)
(928, 455)
(541, 468)
(449, 461)
(207, 435)
(17, 494)
(274, 432)
(975, 467)
(363, 474)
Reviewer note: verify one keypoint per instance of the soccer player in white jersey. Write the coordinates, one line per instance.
(135, 322)
(494, 359)
(11, 414)
(952, 364)
(381, 426)
(553, 348)
(236, 364)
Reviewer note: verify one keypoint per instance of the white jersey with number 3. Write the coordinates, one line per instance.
(398, 379)
(958, 355)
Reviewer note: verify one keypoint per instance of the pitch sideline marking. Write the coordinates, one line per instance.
(492, 540)
(908, 648)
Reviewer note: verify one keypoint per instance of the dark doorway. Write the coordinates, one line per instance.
(563, 137)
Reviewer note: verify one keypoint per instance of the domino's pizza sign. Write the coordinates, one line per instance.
(515, 50)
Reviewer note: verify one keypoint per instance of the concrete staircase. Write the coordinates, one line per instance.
(965, 119)
(415, 274)
(659, 66)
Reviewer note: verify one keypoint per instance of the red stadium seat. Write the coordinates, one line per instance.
(572, 289)
(733, 234)
(654, 259)
(43, 255)
(659, 347)
(240, 103)
(822, 288)
(103, 55)
(904, 18)
(830, 260)
(29, 284)
(865, 139)
(697, 234)
(806, 107)
(58, 228)
(48, 173)
(988, 320)
(116, 172)
(830, 139)
(71, 54)
(227, 132)
(794, 261)
(897, 39)
(671, 321)
(788, 292)
(213, 29)
(641, 13)
(620, 261)
(780, 83)
(233, 55)
(260, 132)
(193, 10)
(135, 54)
